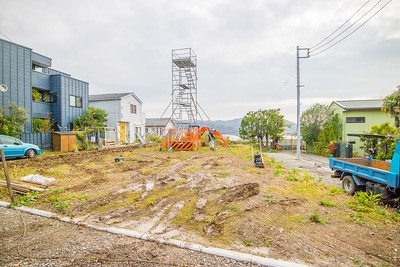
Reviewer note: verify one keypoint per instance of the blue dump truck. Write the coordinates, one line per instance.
(376, 176)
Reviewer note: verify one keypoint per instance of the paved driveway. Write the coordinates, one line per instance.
(316, 165)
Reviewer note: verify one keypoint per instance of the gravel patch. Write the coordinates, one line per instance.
(29, 240)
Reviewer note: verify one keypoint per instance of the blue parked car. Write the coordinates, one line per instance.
(14, 148)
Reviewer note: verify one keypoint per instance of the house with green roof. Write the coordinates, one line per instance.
(357, 117)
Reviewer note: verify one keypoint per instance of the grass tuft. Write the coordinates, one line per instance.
(248, 242)
(316, 218)
(186, 213)
(266, 242)
(25, 200)
(327, 203)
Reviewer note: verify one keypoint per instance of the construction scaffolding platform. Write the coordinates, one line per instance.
(184, 86)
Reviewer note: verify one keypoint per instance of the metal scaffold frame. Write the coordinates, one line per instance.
(184, 87)
(185, 108)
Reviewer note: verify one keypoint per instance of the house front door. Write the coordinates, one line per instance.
(122, 131)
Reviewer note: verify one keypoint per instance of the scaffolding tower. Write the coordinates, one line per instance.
(184, 87)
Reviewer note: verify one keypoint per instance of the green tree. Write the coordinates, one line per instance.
(263, 124)
(391, 105)
(383, 145)
(249, 127)
(273, 125)
(93, 117)
(331, 131)
(312, 122)
(12, 120)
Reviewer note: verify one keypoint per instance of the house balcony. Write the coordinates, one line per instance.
(40, 60)
(40, 80)
(41, 110)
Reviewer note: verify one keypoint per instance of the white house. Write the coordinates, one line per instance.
(159, 126)
(124, 113)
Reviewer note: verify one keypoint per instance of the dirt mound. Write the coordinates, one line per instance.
(240, 192)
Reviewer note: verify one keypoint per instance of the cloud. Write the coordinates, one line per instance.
(246, 50)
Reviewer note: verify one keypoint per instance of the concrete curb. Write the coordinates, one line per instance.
(238, 256)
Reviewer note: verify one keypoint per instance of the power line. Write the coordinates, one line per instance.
(318, 48)
(311, 55)
(280, 88)
(340, 25)
(6, 37)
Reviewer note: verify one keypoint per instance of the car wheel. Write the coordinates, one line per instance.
(31, 153)
(349, 185)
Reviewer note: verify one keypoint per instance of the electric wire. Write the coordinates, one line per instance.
(280, 90)
(340, 26)
(337, 36)
(212, 123)
(154, 126)
(6, 37)
(334, 44)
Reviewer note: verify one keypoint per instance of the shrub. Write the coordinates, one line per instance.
(369, 199)
(154, 138)
(25, 200)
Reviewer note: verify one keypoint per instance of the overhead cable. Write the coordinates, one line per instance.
(311, 55)
(340, 26)
(342, 32)
(6, 37)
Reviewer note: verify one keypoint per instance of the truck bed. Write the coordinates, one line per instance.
(377, 164)
(373, 170)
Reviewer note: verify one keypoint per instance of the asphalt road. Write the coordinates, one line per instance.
(316, 165)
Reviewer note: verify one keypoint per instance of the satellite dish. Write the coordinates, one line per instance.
(3, 87)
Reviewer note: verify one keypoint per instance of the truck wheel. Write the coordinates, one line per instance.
(349, 185)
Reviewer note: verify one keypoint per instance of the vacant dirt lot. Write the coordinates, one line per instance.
(218, 199)
(49, 242)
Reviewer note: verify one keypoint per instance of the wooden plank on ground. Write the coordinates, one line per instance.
(21, 188)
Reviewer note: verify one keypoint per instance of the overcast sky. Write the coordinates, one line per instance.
(246, 50)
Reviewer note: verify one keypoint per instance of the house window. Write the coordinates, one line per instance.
(43, 96)
(133, 109)
(75, 101)
(355, 119)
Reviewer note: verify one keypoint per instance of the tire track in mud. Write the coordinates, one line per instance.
(157, 222)
(341, 250)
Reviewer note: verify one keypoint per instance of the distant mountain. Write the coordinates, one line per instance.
(232, 126)
(291, 127)
(225, 127)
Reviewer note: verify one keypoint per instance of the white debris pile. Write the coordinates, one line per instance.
(38, 179)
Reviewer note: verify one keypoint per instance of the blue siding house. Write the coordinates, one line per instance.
(45, 93)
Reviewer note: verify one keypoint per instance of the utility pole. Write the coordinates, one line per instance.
(298, 96)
